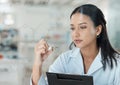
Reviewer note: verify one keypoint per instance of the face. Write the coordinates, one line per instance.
(83, 31)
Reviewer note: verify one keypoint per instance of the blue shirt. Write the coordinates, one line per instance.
(71, 62)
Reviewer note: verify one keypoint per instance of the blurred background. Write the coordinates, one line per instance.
(24, 22)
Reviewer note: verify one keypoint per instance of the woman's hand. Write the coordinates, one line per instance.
(42, 51)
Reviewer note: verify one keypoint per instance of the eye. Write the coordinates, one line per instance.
(83, 27)
(72, 28)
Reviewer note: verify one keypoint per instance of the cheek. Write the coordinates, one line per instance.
(72, 35)
(93, 32)
(90, 35)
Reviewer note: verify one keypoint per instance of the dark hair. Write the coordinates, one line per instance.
(96, 15)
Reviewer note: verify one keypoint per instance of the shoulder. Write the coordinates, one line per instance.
(60, 64)
(65, 56)
(71, 53)
(117, 57)
(117, 70)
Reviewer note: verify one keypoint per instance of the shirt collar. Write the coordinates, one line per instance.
(75, 52)
(96, 64)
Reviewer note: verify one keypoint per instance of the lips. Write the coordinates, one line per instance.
(77, 41)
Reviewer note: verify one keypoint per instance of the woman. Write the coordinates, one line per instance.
(93, 54)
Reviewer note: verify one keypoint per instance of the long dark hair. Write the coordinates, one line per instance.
(96, 15)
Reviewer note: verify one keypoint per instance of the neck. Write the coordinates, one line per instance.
(90, 51)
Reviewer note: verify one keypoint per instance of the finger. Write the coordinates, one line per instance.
(41, 42)
(44, 42)
(41, 47)
(43, 51)
(38, 47)
(46, 45)
(49, 52)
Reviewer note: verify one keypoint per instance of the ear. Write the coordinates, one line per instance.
(98, 30)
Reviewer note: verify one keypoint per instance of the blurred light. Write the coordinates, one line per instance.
(3, 1)
(8, 20)
(5, 8)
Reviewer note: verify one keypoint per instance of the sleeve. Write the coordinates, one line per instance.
(57, 67)
(41, 81)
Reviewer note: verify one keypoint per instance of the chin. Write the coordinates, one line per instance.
(81, 46)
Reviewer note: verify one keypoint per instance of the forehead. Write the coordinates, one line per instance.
(80, 18)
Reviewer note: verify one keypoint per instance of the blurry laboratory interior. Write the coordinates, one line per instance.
(24, 22)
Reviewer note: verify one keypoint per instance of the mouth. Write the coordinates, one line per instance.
(77, 41)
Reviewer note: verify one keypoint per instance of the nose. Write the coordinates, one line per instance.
(76, 33)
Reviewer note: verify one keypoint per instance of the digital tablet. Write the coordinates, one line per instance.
(68, 79)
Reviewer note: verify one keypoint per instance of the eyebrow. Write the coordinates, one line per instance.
(79, 23)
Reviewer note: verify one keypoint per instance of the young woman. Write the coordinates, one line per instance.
(93, 54)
